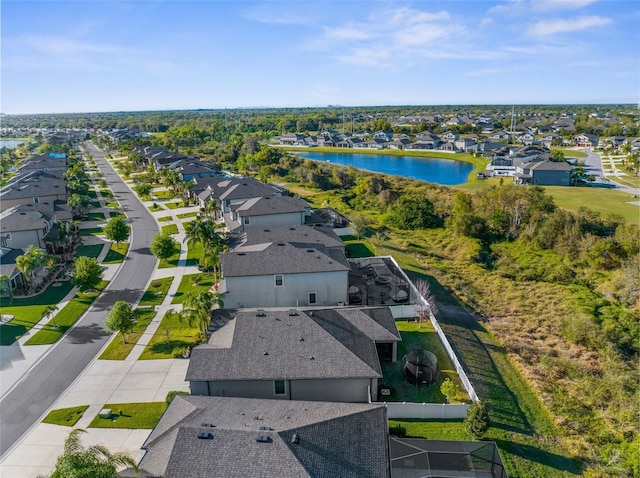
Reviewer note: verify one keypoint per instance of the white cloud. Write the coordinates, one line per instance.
(551, 27)
(545, 5)
(67, 47)
(523, 8)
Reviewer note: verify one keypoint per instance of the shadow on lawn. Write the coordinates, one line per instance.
(537, 456)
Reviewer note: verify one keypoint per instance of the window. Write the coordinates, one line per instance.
(279, 281)
(36, 200)
(279, 387)
(313, 298)
(246, 220)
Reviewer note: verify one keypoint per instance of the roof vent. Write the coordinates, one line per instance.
(207, 425)
(281, 243)
(265, 353)
(205, 436)
(266, 428)
(293, 312)
(264, 439)
(310, 250)
(242, 254)
(267, 230)
(295, 438)
(260, 313)
(301, 339)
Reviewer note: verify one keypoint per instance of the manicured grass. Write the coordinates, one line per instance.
(187, 214)
(164, 194)
(67, 417)
(170, 229)
(106, 193)
(155, 207)
(433, 429)
(93, 250)
(116, 253)
(95, 216)
(171, 205)
(91, 231)
(117, 350)
(173, 335)
(194, 253)
(602, 200)
(156, 292)
(359, 249)
(65, 318)
(28, 312)
(92, 194)
(417, 336)
(143, 415)
(569, 153)
(165, 219)
(171, 261)
(188, 284)
(112, 204)
(116, 214)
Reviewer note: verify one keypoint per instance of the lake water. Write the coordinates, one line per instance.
(434, 170)
(10, 143)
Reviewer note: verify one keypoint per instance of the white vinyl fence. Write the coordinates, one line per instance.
(425, 410)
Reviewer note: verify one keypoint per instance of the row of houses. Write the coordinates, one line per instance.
(286, 383)
(31, 204)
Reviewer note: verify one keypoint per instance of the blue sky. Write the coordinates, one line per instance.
(84, 56)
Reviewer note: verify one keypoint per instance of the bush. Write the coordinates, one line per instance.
(398, 430)
(477, 421)
(172, 394)
(180, 352)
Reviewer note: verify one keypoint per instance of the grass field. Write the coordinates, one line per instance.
(172, 335)
(93, 250)
(95, 216)
(91, 231)
(171, 205)
(117, 253)
(186, 215)
(194, 253)
(170, 229)
(602, 200)
(194, 283)
(65, 318)
(28, 312)
(143, 415)
(419, 336)
(117, 350)
(165, 219)
(66, 417)
(156, 292)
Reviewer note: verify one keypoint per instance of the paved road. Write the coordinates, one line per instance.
(49, 378)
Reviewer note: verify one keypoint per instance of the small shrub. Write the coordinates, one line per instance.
(172, 394)
(180, 352)
(398, 430)
(156, 283)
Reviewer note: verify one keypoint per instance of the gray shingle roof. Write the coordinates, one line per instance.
(282, 258)
(302, 236)
(334, 439)
(20, 218)
(268, 205)
(279, 346)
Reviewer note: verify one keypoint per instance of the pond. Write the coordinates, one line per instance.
(448, 172)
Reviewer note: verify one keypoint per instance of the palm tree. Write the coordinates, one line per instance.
(49, 312)
(203, 231)
(95, 461)
(197, 309)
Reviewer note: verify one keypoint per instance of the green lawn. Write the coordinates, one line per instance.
(171, 205)
(143, 415)
(173, 335)
(95, 216)
(155, 207)
(91, 231)
(359, 249)
(165, 219)
(602, 200)
(433, 429)
(164, 194)
(171, 261)
(117, 350)
(28, 312)
(170, 229)
(194, 253)
(112, 204)
(186, 215)
(156, 292)
(194, 283)
(66, 417)
(116, 253)
(93, 250)
(65, 318)
(419, 336)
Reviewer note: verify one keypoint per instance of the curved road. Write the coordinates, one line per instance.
(49, 378)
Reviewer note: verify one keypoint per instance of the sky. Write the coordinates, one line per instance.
(98, 55)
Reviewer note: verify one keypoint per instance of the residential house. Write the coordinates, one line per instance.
(500, 136)
(548, 139)
(51, 162)
(399, 143)
(33, 188)
(240, 437)
(449, 136)
(284, 274)
(526, 138)
(426, 140)
(544, 173)
(586, 140)
(268, 211)
(467, 145)
(190, 169)
(317, 355)
(9, 269)
(21, 226)
(448, 146)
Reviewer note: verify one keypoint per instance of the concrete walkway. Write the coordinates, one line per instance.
(102, 381)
